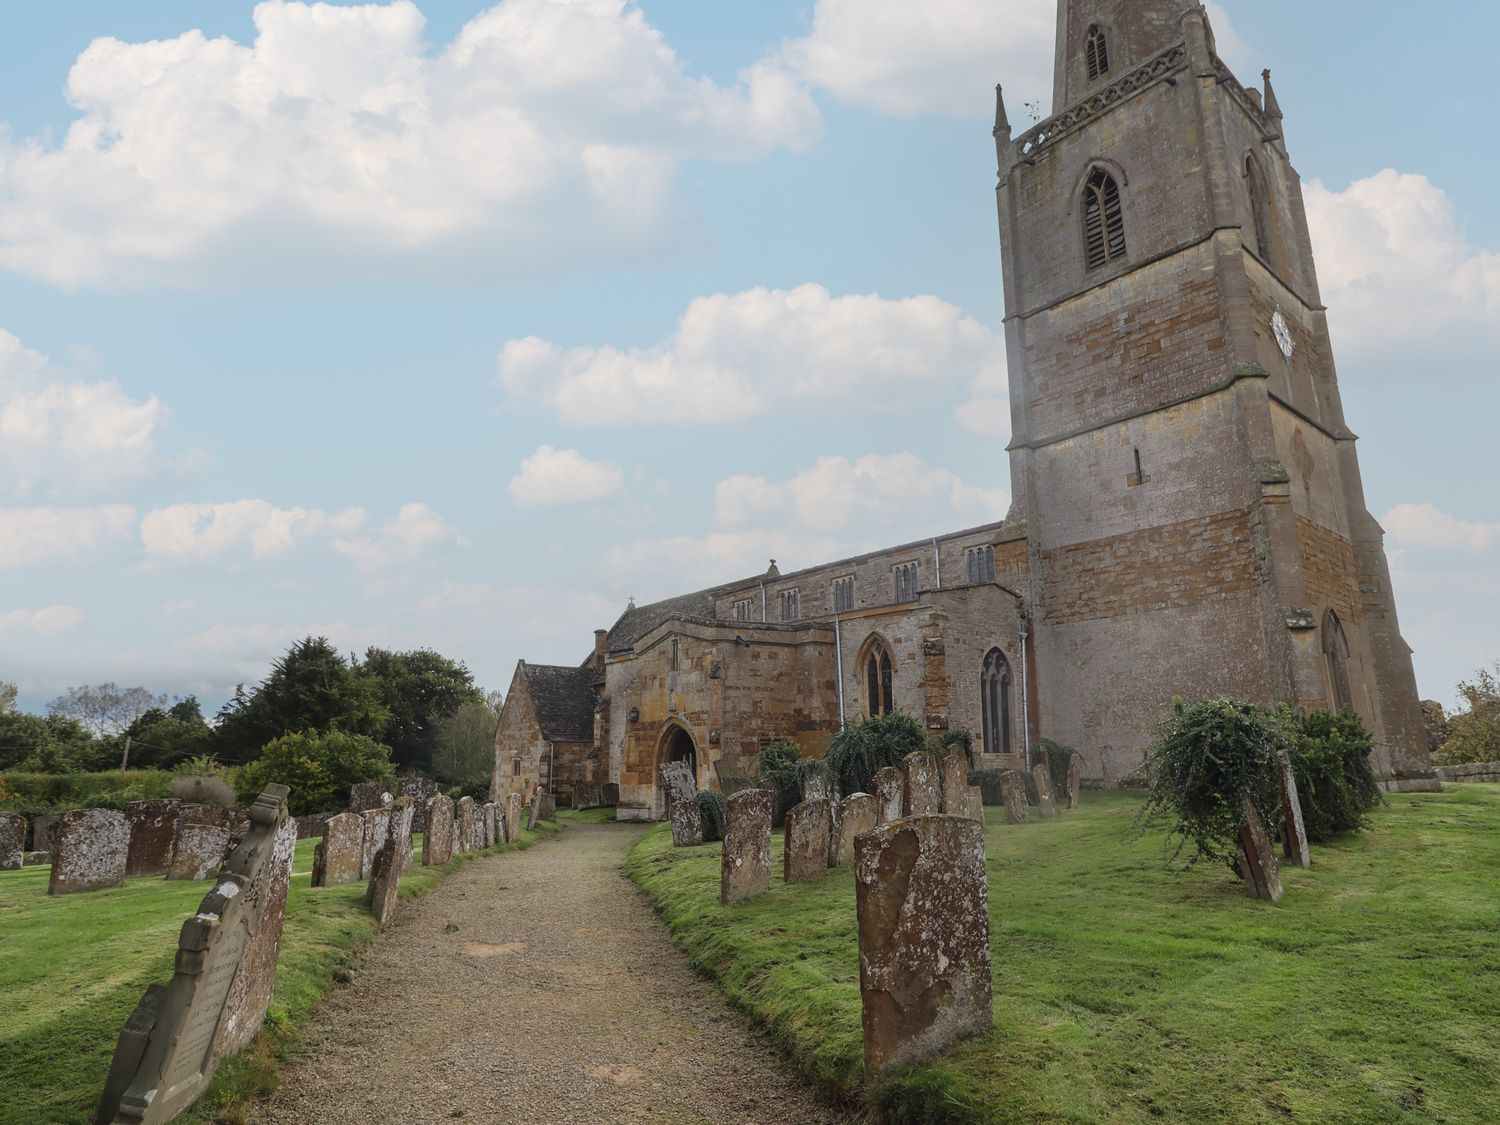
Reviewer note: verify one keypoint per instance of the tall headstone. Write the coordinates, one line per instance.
(512, 818)
(1293, 830)
(815, 787)
(1075, 781)
(924, 937)
(548, 807)
(421, 790)
(339, 857)
(198, 850)
(89, 850)
(1013, 797)
(377, 826)
(923, 792)
(385, 878)
(171, 1043)
(534, 809)
(1258, 866)
(12, 841)
(42, 828)
(890, 788)
(745, 869)
(682, 804)
(312, 825)
(153, 827)
(807, 833)
(959, 797)
(367, 795)
(437, 841)
(1045, 804)
(857, 814)
(466, 824)
(489, 824)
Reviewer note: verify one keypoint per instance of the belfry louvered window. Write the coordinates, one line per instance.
(1096, 51)
(1103, 221)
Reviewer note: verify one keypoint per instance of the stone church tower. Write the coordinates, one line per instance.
(1183, 475)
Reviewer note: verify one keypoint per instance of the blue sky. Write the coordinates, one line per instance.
(456, 324)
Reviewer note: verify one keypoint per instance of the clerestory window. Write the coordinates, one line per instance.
(1103, 220)
(1096, 52)
(843, 595)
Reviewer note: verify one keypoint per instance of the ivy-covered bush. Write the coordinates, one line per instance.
(782, 765)
(866, 746)
(1336, 785)
(713, 812)
(319, 767)
(1057, 758)
(958, 738)
(1209, 758)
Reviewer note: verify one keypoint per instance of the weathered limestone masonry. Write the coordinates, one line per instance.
(437, 841)
(1474, 771)
(1042, 776)
(465, 820)
(745, 868)
(512, 818)
(215, 1001)
(153, 826)
(377, 823)
(367, 795)
(12, 841)
(922, 791)
(1013, 795)
(890, 788)
(89, 850)
(1257, 859)
(1293, 831)
(339, 856)
(682, 804)
(806, 836)
(959, 797)
(924, 937)
(385, 877)
(197, 850)
(857, 814)
(534, 810)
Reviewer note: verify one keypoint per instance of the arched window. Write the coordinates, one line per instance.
(1336, 658)
(1260, 213)
(1103, 220)
(994, 702)
(879, 693)
(1096, 52)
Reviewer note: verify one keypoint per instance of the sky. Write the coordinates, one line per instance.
(457, 324)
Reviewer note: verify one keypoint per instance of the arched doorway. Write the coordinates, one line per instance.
(677, 745)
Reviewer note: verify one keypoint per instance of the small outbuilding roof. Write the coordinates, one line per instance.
(564, 701)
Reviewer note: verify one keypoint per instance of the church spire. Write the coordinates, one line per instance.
(1002, 128)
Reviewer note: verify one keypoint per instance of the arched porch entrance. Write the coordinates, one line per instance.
(677, 745)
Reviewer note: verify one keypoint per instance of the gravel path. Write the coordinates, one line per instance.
(539, 987)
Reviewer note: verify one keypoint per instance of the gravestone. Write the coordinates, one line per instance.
(682, 804)
(922, 793)
(377, 827)
(313, 826)
(197, 851)
(890, 800)
(611, 794)
(549, 807)
(745, 869)
(924, 937)
(1293, 831)
(226, 960)
(153, 827)
(815, 787)
(857, 814)
(1045, 805)
(339, 856)
(421, 790)
(385, 878)
(367, 795)
(37, 859)
(42, 828)
(1257, 858)
(489, 824)
(89, 850)
(12, 841)
(437, 841)
(465, 817)
(807, 833)
(959, 797)
(512, 818)
(1013, 796)
(587, 794)
(534, 810)
(1075, 781)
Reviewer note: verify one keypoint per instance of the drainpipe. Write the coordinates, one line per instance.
(1025, 704)
(763, 619)
(551, 768)
(937, 562)
(838, 656)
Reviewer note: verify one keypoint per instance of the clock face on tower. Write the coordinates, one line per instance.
(1283, 333)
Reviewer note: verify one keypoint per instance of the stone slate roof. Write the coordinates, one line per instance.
(637, 621)
(564, 701)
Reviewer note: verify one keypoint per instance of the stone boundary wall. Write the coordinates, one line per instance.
(1471, 771)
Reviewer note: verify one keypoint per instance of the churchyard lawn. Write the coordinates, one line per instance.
(1127, 990)
(73, 967)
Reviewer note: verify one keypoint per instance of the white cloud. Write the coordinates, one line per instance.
(735, 356)
(416, 530)
(546, 131)
(47, 622)
(35, 535)
(203, 531)
(59, 436)
(552, 477)
(1396, 268)
(1426, 527)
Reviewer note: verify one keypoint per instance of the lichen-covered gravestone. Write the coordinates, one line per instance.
(1013, 797)
(1257, 858)
(250, 995)
(924, 937)
(437, 841)
(682, 803)
(548, 807)
(153, 827)
(198, 850)
(512, 818)
(1293, 830)
(385, 879)
(12, 841)
(339, 856)
(1075, 781)
(959, 797)
(89, 850)
(745, 869)
(890, 786)
(377, 828)
(42, 828)
(489, 824)
(806, 834)
(857, 814)
(815, 787)
(367, 795)
(923, 792)
(1045, 805)
(534, 810)
(465, 819)
(421, 790)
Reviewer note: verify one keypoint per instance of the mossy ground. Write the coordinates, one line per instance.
(73, 967)
(1127, 990)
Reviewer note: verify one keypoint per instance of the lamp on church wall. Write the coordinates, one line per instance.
(635, 714)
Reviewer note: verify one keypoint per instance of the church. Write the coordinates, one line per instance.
(1188, 518)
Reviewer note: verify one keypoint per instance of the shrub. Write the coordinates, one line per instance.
(867, 746)
(204, 765)
(319, 767)
(780, 763)
(1057, 759)
(958, 738)
(1210, 757)
(1336, 786)
(34, 793)
(713, 812)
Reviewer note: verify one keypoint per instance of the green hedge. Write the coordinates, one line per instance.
(33, 793)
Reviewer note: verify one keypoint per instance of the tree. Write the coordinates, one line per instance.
(464, 749)
(8, 694)
(50, 744)
(161, 738)
(105, 709)
(318, 766)
(1474, 733)
(420, 689)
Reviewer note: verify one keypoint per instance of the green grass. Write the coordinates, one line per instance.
(588, 816)
(1129, 991)
(73, 967)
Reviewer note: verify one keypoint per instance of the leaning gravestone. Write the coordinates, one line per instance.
(512, 818)
(153, 827)
(924, 937)
(385, 879)
(857, 814)
(197, 851)
(465, 818)
(745, 869)
(171, 1043)
(1013, 797)
(1075, 781)
(12, 841)
(807, 832)
(89, 850)
(377, 827)
(534, 810)
(437, 841)
(922, 793)
(1045, 805)
(1257, 859)
(890, 784)
(682, 803)
(367, 795)
(339, 856)
(1293, 830)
